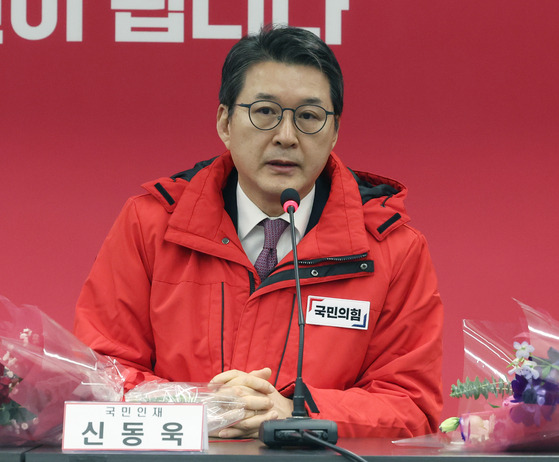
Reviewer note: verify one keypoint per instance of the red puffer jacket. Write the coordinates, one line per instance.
(173, 295)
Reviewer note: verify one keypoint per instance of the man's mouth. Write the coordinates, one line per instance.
(282, 167)
(282, 163)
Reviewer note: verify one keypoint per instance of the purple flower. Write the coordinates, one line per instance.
(550, 391)
(518, 386)
(534, 393)
(530, 414)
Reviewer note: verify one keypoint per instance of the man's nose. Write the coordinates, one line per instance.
(286, 132)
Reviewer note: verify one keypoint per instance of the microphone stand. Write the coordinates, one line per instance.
(291, 431)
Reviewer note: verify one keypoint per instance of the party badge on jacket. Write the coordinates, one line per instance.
(338, 312)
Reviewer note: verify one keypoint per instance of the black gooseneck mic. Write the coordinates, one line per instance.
(298, 430)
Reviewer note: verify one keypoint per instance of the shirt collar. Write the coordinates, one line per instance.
(249, 215)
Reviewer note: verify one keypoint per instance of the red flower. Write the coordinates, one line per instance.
(5, 383)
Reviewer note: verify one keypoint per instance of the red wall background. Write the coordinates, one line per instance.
(458, 99)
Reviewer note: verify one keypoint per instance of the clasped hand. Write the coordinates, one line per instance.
(262, 401)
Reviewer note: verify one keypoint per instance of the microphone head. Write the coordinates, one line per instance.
(290, 198)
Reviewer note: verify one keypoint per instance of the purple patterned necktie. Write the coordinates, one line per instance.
(268, 258)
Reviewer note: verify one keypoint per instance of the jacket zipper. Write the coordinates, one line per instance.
(222, 325)
(252, 283)
(340, 259)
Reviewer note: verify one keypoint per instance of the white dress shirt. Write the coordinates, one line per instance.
(252, 235)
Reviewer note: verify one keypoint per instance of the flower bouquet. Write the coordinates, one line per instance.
(519, 406)
(41, 366)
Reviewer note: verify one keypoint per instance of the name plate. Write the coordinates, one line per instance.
(121, 426)
(338, 312)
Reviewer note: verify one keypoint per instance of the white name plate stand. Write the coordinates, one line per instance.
(120, 426)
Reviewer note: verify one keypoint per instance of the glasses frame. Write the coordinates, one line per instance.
(283, 109)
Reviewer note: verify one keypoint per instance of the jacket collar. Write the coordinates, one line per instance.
(321, 196)
(203, 210)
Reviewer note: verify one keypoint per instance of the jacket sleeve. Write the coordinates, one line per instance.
(399, 391)
(112, 312)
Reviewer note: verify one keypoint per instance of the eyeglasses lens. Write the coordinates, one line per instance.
(266, 115)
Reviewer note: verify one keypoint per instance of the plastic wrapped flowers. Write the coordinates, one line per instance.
(519, 409)
(223, 408)
(41, 366)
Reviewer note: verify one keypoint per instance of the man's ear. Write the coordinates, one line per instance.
(337, 128)
(223, 124)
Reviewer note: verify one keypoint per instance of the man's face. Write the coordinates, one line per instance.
(270, 161)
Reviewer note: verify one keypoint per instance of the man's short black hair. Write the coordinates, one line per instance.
(283, 44)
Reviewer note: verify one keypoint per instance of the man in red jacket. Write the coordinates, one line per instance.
(175, 292)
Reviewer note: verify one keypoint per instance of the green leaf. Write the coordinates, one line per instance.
(13, 411)
(4, 415)
(475, 389)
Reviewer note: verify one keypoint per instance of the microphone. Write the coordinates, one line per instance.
(290, 199)
(291, 431)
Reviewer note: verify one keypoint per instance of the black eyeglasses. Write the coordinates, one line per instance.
(267, 115)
